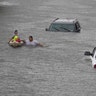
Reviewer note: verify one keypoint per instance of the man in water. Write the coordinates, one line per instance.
(32, 42)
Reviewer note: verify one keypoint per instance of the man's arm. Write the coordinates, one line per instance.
(41, 45)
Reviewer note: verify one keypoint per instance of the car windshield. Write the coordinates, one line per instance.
(62, 27)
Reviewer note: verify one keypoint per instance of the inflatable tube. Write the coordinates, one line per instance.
(16, 44)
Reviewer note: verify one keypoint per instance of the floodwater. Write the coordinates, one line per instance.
(60, 69)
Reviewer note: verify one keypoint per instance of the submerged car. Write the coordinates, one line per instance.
(92, 56)
(64, 25)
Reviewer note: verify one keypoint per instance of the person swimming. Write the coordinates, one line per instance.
(32, 42)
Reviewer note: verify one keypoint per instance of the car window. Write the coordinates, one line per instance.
(61, 27)
(93, 51)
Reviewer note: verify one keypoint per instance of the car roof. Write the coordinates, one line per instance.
(65, 21)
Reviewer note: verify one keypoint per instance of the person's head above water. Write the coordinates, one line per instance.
(16, 32)
(30, 38)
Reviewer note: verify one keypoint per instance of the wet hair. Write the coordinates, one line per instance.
(30, 36)
(16, 31)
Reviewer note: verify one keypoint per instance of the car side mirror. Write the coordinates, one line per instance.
(87, 53)
(47, 29)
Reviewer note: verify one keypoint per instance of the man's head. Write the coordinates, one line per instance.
(30, 38)
(16, 32)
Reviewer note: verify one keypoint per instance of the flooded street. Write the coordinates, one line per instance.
(60, 69)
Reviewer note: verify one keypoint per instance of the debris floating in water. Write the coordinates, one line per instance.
(7, 4)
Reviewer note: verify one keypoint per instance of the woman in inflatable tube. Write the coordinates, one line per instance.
(15, 40)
